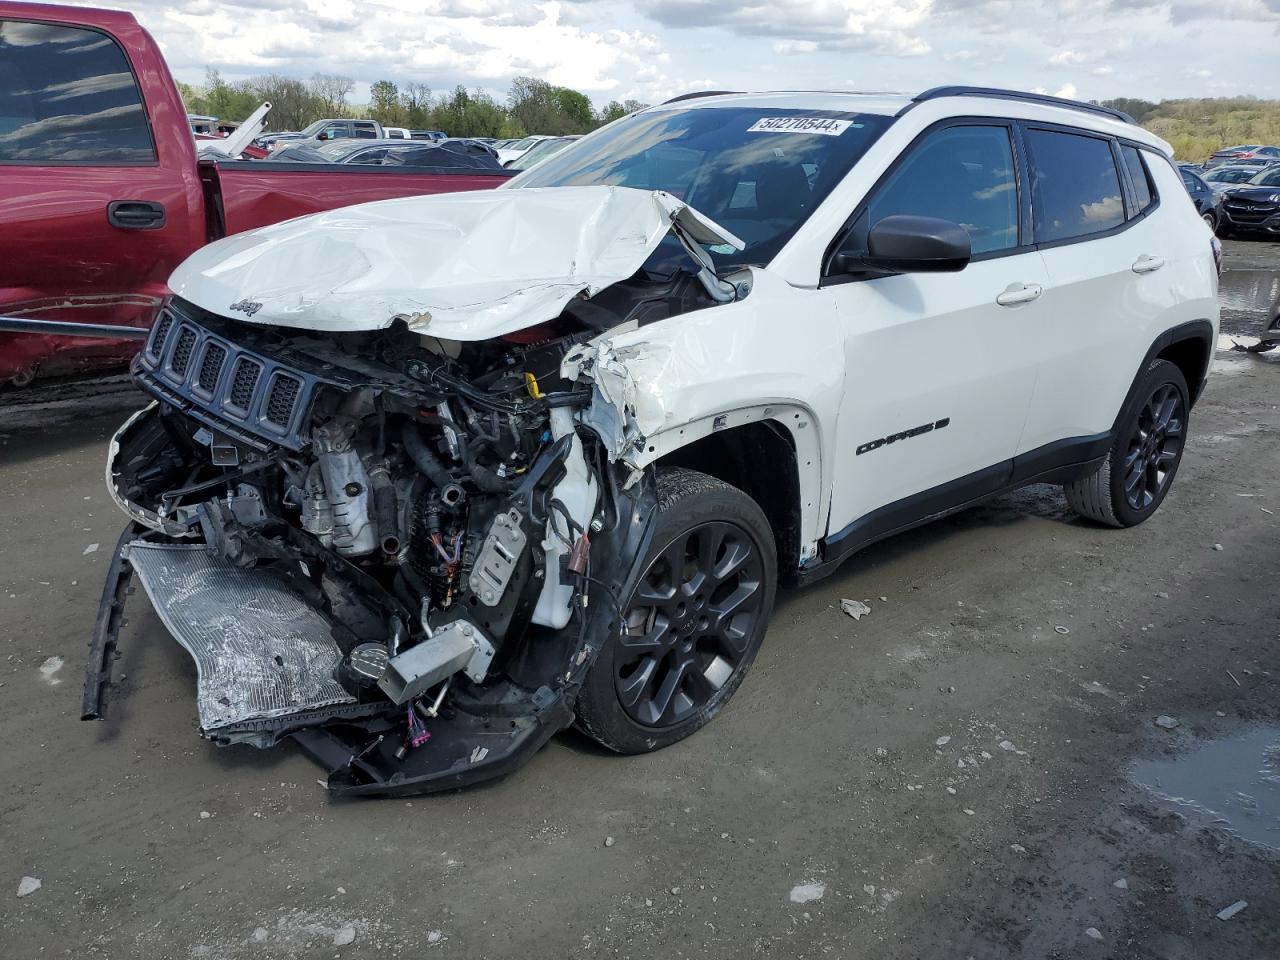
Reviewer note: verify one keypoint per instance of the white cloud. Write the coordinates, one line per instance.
(654, 49)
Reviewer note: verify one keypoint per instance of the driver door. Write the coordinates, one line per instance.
(939, 367)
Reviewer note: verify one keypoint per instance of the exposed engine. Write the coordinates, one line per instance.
(434, 503)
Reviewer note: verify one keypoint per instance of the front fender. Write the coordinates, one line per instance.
(776, 355)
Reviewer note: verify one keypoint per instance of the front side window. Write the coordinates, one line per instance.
(759, 172)
(962, 174)
(67, 95)
(1143, 192)
(1075, 187)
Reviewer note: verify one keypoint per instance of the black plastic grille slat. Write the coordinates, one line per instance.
(161, 334)
(243, 383)
(280, 401)
(248, 396)
(182, 350)
(211, 367)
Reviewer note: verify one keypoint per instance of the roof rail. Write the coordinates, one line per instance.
(695, 96)
(937, 93)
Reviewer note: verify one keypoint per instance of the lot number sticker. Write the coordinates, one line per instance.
(823, 125)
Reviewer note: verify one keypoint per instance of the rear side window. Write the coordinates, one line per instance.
(1075, 185)
(1143, 192)
(67, 95)
(961, 174)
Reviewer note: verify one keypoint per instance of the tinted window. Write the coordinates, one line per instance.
(758, 172)
(68, 95)
(1143, 191)
(1075, 185)
(961, 174)
(1269, 178)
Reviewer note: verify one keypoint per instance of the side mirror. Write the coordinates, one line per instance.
(322, 135)
(910, 244)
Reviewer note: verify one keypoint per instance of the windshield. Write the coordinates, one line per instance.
(758, 172)
(1268, 178)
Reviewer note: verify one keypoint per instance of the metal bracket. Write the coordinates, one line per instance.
(498, 557)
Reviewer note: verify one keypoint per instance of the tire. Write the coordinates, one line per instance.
(1145, 453)
(1211, 220)
(24, 377)
(683, 637)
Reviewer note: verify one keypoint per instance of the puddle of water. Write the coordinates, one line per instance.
(1233, 784)
(1249, 290)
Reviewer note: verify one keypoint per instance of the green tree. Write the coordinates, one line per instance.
(384, 103)
(415, 102)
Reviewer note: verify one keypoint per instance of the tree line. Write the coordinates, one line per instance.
(532, 105)
(1198, 127)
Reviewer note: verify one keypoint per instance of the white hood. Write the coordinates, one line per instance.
(460, 266)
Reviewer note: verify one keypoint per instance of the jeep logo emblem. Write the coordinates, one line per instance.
(247, 307)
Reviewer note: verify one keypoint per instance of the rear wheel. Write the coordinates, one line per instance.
(1144, 456)
(693, 623)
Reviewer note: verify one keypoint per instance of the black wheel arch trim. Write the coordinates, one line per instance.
(1192, 330)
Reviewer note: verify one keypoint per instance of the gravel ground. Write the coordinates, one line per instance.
(956, 775)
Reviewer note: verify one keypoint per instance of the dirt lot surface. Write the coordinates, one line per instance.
(973, 770)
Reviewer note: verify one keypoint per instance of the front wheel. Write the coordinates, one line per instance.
(1212, 221)
(1144, 456)
(693, 622)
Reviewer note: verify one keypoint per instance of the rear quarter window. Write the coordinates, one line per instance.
(1075, 185)
(1144, 191)
(67, 95)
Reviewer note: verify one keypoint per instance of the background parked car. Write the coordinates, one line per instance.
(539, 152)
(1221, 179)
(1245, 152)
(453, 154)
(517, 148)
(428, 134)
(1205, 199)
(1253, 207)
(327, 130)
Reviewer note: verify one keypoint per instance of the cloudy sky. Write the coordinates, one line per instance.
(650, 50)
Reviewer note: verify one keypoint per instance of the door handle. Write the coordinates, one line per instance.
(1017, 293)
(1147, 264)
(135, 214)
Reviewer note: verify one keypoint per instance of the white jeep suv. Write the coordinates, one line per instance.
(427, 480)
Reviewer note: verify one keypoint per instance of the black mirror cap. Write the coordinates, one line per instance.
(911, 244)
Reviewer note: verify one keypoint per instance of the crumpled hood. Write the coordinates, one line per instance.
(461, 266)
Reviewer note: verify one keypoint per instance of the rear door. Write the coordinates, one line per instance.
(1108, 258)
(91, 221)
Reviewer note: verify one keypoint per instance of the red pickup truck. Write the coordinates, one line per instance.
(102, 193)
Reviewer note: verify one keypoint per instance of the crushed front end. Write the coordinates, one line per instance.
(399, 551)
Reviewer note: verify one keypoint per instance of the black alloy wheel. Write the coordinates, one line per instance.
(1154, 447)
(689, 625)
(692, 622)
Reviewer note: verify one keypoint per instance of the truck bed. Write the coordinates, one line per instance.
(255, 193)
